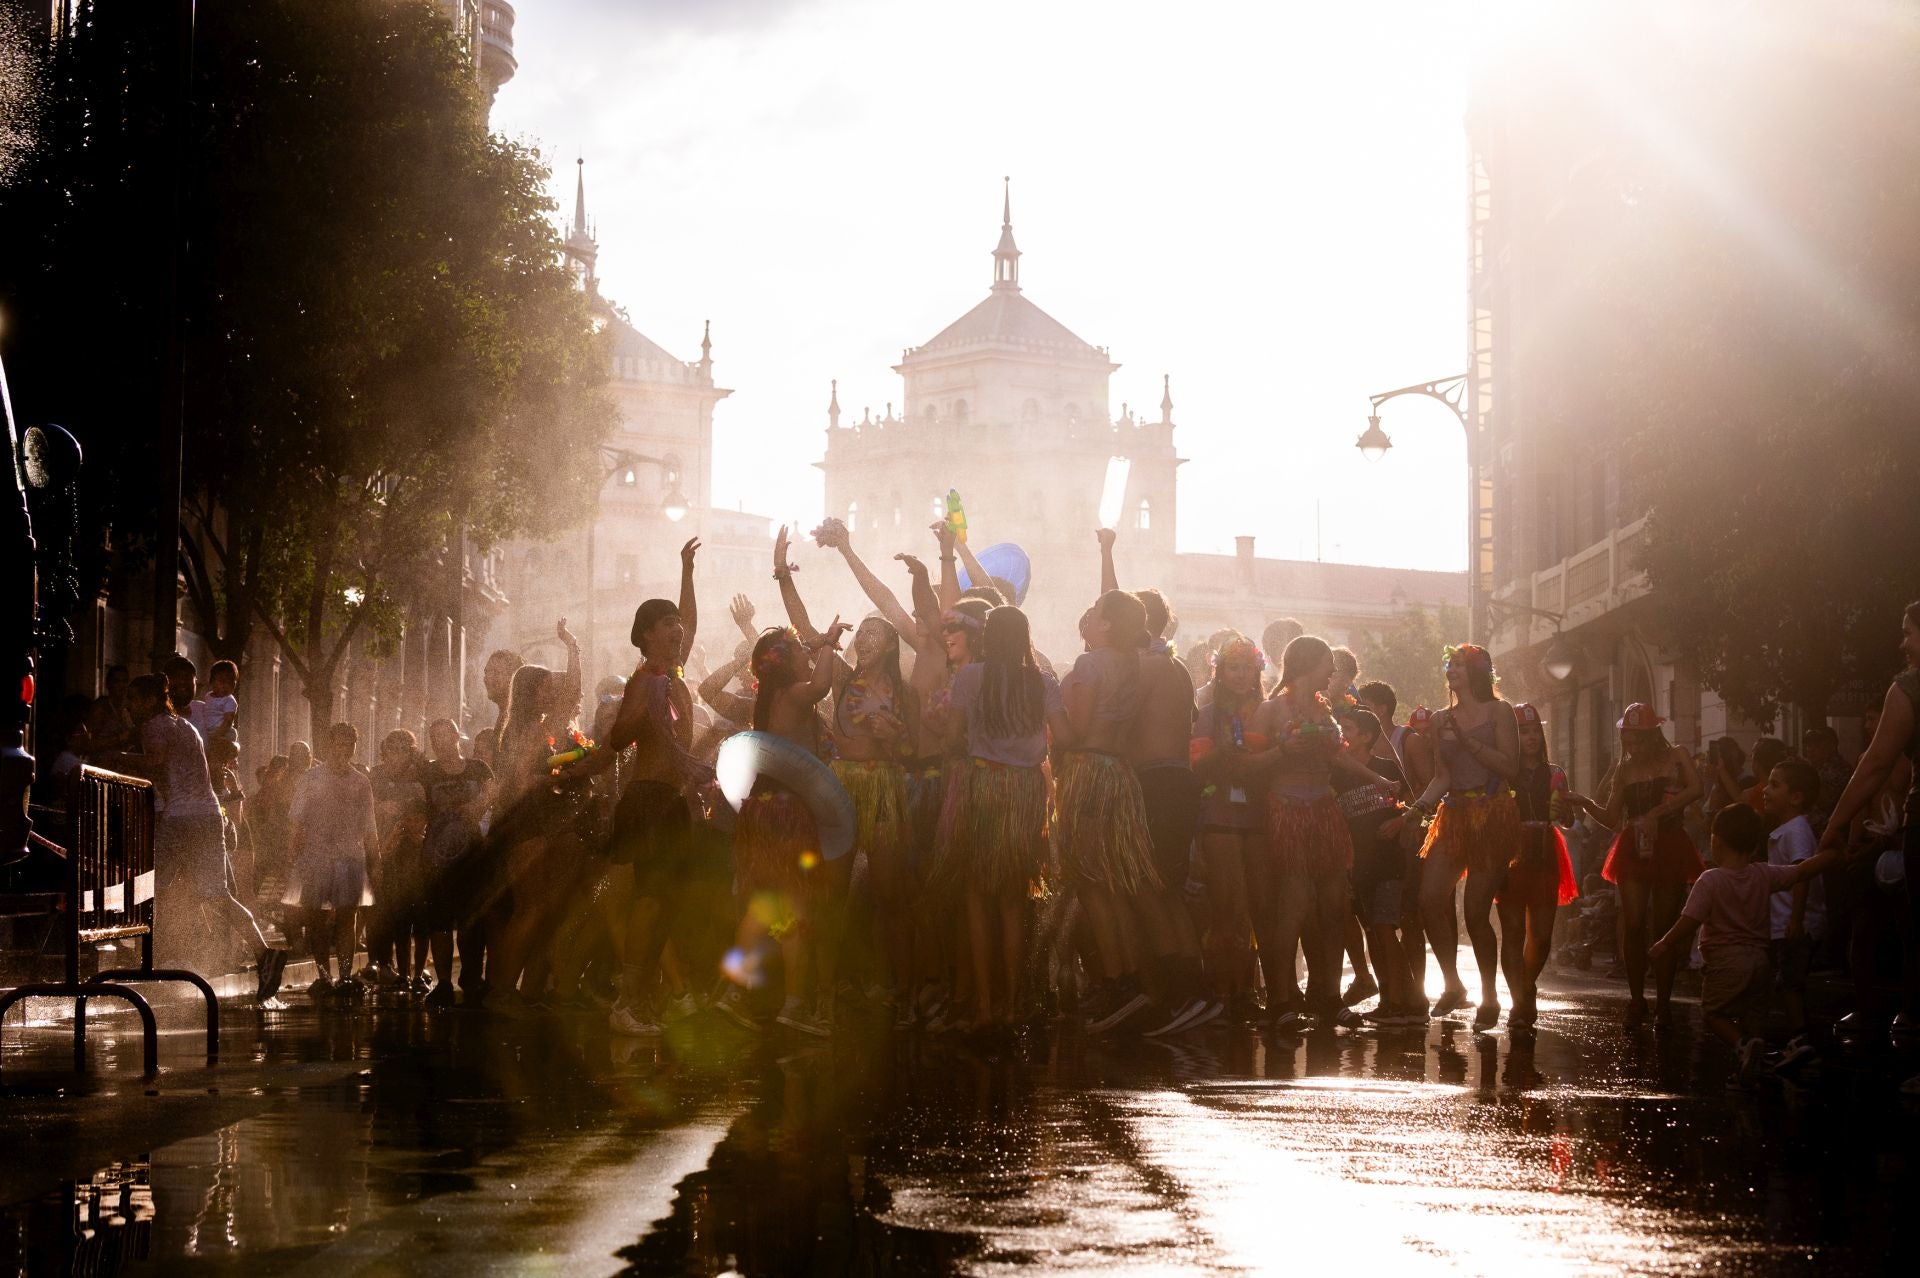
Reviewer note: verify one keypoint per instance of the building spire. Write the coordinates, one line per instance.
(580, 248)
(1166, 399)
(833, 407)
(1006, 256)
(706, 348)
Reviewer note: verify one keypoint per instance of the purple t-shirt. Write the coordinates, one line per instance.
(1027, 751)
(1731, 905)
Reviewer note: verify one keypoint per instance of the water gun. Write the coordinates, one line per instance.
(956, 515)
(578, 748)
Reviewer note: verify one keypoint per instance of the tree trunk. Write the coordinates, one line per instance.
(320, 692)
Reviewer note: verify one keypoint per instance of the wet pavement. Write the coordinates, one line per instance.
(389, 1140)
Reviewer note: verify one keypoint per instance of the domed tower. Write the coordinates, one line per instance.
(495, 54)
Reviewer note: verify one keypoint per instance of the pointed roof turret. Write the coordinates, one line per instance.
(706, 347)
(833, 407)
(1166, 399)
(580, 247)
(1006, 255)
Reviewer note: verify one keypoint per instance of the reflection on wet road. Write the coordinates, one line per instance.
(463, 1144)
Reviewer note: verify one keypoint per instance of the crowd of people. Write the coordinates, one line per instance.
(1139, 842)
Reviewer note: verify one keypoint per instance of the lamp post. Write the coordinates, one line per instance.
(1558, 660)
(1373, 445)
(623, 466)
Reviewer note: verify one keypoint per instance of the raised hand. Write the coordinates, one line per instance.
(741, 610)
(565, 635)
(943, 533)
(780, 551)
(688, 551)
(832, 534)
(1105, 537)
(830, 637)
(913, 564)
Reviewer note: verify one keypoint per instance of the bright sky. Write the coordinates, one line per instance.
(1265, 201)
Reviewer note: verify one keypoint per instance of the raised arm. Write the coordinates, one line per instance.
(835, 535)
(570, 677)
(826, 661)
(926, 604)
(714, 689)
(790, 593)
(1109, 578)
(975, 572)
(689, 608)
(949, 583)
(632, 723)
(742, 614)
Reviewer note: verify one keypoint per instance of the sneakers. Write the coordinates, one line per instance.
(1798, 1055)
(681, 1008)
(625, 1022)
(793, 1015)
(1182, 1015)
(1289, 1018)
(733, 1006)
(1128, 1003)
(1752, 1056)
(1344, 1017)
(1358, 992)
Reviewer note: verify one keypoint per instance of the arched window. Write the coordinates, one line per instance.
(939, 505)
(1144, 520)
(853, 516)
(959, 410)
(1030, 410)
(896, 508)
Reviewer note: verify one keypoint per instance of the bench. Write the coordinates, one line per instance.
(108, 897)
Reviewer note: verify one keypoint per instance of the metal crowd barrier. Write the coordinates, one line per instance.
(109, 897)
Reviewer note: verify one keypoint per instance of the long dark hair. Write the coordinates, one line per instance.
(522, 713)
(1013, 695)
(773, 676)
(905, 704)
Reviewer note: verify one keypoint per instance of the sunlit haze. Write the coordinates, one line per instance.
(1266, 202)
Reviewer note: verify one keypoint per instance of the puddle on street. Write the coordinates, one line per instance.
(466, 1145)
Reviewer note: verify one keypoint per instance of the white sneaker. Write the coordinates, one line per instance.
(622, 1021)
(681, 1008)
(793, 1015)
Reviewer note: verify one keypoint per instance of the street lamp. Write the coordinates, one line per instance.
(1373, 445)
(1559, 660)
(624, 467)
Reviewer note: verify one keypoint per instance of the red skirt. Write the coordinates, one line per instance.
(1308, 836)
(1543, 872)
(1675, 861)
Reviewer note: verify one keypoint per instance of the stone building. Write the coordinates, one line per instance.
(1010, 407)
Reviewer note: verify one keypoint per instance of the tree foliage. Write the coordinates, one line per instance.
(383, 348)
(1407, 653)
(1750, 317)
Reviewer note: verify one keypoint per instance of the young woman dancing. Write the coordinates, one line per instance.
(1652, 860)
(1476, 826)
(1540, 880)
(1005, 706)
(775, 844)
(1308, 841)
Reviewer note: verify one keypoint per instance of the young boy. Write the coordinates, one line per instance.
(1799, 921)
(217, 711)
(1729, 906)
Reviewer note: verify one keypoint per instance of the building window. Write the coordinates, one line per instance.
(853, 516)
(1144, 520)
(939, 505)
(959, 410)
(933, 411)
(626, 569)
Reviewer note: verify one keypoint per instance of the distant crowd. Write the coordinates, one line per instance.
(935, 824)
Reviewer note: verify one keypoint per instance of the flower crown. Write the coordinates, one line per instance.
(1470, 655)
(775, 656)
(1233, 645)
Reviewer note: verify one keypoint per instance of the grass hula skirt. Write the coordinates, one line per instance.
(998, 841)
(879, 792)
(1543, 872)
(775, 845)
(1308, 836)
(1481, 830)
(1104, 840)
